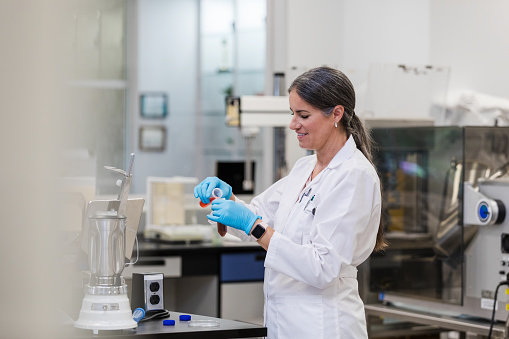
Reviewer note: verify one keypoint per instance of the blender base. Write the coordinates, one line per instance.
(105, 312)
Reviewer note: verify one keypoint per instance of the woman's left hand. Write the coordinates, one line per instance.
(233, 214)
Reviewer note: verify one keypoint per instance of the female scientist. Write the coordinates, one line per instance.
(318, 223)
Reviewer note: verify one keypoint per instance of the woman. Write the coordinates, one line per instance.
(318, 223)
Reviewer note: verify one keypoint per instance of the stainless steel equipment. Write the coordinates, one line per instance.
(133, 216)
(487, 257)
(445, 193)
(106, 246)
(105, 305)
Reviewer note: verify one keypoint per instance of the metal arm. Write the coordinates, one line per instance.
(126, 185)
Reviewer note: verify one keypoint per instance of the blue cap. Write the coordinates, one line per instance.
(169, 322)
(185, 317)
(138, 314)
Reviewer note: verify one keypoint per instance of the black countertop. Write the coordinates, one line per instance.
(154, 329)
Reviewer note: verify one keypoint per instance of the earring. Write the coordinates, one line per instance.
(335, 124)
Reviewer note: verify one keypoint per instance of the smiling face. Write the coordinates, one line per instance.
(314, 130)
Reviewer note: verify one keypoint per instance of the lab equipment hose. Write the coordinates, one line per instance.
(156, 315)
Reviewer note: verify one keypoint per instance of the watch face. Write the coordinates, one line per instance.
(258, 231)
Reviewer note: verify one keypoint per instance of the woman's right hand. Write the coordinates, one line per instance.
(203, 190)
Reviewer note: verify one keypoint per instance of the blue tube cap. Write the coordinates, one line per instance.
(185, 317)
(138, 314)
(169, 322)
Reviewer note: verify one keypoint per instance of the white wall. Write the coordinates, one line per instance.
(166, 59)
(382, 32)
(314, 32)
(351, 35)
(470, 37)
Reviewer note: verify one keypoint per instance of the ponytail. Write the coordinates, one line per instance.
(356, 128)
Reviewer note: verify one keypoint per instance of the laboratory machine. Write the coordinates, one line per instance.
(446, 194)
(105, 303)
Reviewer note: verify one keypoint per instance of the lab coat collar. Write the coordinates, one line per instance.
(345, 153)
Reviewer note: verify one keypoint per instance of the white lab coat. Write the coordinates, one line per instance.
(310, 282)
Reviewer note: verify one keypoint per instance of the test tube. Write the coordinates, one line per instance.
(216, 194)
(221, 229)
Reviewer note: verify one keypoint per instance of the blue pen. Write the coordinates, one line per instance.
(305, 195)
(309, 201)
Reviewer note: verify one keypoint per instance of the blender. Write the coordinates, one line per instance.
(105, 305)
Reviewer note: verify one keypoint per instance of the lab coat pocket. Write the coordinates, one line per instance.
(300, 317)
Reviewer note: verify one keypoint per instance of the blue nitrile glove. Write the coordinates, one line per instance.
(233, 214)
(204, 189)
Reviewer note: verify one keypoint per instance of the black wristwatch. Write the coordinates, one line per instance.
(258, 231)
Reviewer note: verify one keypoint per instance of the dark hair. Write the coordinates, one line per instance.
(325, 88)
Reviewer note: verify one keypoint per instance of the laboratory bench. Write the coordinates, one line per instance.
(206, 278)
(154, 329)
